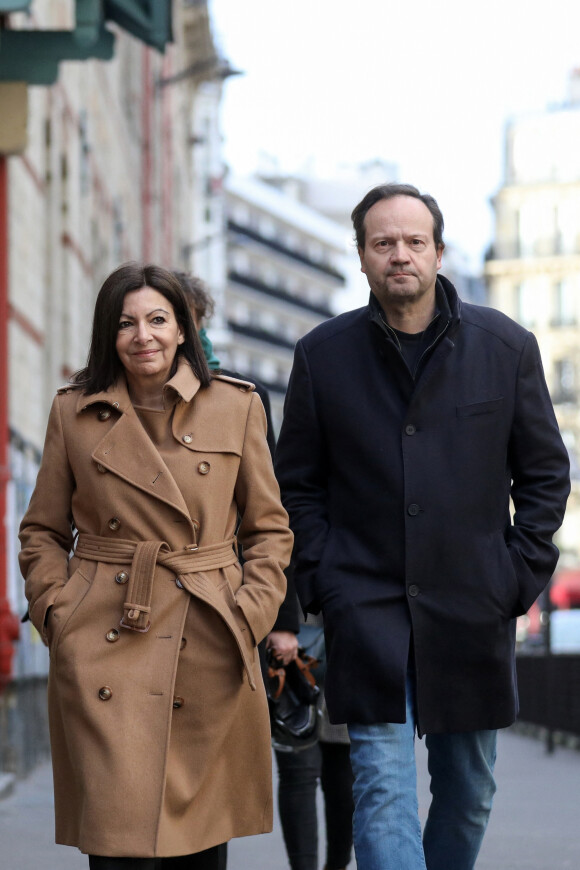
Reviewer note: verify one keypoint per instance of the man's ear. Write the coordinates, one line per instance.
(361, 255)
(440, 250)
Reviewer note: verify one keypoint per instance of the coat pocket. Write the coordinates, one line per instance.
(476, 409)
(503, 574)
(67, 601)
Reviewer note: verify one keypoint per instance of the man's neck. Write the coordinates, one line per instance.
(410, 317)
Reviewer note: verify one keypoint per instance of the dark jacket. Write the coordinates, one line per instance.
(288, 618)
(399, 497)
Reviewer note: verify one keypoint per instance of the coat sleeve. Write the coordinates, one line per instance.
(263, 531)
(46, 531)
(540, 471)
(301, 464)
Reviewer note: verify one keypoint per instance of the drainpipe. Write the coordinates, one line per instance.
(9, 627)
(147, 158)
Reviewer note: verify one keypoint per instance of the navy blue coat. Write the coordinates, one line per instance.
(399, 497)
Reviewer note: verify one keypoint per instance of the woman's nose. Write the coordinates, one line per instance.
(142, 333)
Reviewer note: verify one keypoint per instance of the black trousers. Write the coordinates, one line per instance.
(210, 859)
(298, 775)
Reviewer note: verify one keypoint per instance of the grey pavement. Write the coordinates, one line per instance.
(534, 822)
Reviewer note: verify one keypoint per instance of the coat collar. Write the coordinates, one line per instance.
(125, 448)
(443, 326)
(447, 304)
(184, 384)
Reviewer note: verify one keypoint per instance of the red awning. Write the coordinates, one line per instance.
(565, 589)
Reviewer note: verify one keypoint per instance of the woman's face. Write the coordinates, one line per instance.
(148, 336)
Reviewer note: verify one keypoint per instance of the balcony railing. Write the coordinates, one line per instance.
(275, 293)
(261, 334)
(516, 249)
(275, 245)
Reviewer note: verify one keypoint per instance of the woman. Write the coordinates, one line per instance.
(159, 723)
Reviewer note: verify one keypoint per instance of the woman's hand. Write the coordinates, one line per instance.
(284, 645)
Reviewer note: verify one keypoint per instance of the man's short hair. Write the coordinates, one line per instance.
(388, 191)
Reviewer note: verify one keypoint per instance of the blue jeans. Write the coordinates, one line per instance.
(387, 830)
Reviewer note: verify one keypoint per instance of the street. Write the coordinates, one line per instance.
(533, 824)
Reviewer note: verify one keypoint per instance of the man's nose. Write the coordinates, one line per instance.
(400, 253)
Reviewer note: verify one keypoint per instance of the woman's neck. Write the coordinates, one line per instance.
(146, 395)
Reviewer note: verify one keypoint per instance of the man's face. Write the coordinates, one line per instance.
(399, 258)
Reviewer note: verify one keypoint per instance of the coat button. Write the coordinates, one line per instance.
(101, 468)
(203, 467)
(178, 702)
(410, 429)
(183, 643)
(104, 414)
(121, 577)
(413, 590)
(187, 439)
(113, 635)
(106, 693)
(413, 510)
(114, 524)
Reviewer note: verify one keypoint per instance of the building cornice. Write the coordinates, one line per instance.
(527, 266)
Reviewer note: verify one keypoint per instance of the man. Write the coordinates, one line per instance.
(408, 425)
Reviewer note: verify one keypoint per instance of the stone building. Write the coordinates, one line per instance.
(533, 268)
(96, 168)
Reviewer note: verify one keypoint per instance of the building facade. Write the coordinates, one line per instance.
(97, 165)
(533, 268)
(284, 267)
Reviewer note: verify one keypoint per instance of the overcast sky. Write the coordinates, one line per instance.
(425, 84)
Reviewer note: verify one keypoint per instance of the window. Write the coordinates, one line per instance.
(565, 376)
(525, 304)
(564, 304)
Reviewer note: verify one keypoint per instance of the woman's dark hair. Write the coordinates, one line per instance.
(103, 366)
(388, 191)
(197, 295)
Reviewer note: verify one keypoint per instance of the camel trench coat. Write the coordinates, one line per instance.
(160, 738)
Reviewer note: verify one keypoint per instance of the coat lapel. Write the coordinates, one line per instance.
(127, 451)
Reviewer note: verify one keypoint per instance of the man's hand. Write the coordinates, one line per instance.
(284, 645)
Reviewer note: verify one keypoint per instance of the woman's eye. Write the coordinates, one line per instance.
(124, 324)
(158, 319)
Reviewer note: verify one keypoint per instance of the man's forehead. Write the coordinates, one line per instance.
(398, 211)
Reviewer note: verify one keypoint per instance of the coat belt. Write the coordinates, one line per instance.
(144, 556)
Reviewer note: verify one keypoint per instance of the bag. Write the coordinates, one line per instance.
(311, 640)
(293, 702)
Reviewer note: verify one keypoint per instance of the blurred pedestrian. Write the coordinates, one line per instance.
(327, 761)
(152, 472)
(408, 425)
(300, 770)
